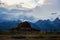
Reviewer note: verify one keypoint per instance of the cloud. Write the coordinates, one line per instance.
(24, 3)
(29, 3)
(37, 12)
(16, 14)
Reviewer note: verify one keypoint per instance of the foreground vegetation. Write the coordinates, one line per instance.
(33, 35)
(30, 36)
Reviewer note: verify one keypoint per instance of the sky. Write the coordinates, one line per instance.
(31, 10)
(27, 4)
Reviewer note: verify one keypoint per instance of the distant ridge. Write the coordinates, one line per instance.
(42, 25)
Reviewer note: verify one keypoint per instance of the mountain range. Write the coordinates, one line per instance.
(43, 25)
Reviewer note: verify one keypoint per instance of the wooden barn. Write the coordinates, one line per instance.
(25, 28)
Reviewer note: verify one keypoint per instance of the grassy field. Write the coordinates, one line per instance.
(34, 35)
(30, 36)
(39, 36)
